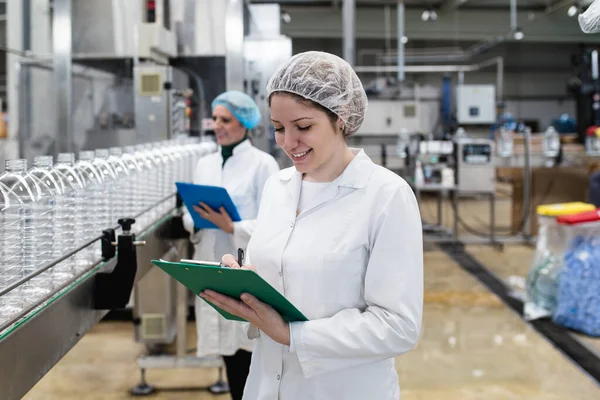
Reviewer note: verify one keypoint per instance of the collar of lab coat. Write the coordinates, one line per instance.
(356, 175)
(245, 145)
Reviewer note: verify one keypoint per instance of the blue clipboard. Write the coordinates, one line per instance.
(214, 196)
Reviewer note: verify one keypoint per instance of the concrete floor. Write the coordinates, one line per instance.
(472, 346)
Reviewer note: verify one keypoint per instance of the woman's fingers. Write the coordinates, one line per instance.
(228, 304)
(230, 261)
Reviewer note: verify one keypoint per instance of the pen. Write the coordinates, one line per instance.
(240, 259)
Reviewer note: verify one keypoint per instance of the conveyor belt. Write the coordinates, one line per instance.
(31, 346)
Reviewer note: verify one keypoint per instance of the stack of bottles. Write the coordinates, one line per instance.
(578, 299)
(542, 279)
(50, 209)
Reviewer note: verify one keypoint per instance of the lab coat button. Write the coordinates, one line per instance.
(292, 225)
(278, 377)
(280, 273)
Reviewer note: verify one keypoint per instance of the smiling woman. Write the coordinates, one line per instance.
(243, 170)
(341, 238)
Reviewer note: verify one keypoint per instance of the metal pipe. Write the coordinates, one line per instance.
(498, 61)
(61, 46)
(348, 26)
(595, 64)
(400, 33)
(513, 15)
(500, 78)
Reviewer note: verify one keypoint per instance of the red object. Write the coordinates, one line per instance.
(151, 5)
(591, 131)
(588, 216)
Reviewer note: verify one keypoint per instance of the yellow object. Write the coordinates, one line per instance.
(597, 132)
(556, 210)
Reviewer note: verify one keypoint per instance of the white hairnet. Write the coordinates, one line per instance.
(326, 80)
(589, 21)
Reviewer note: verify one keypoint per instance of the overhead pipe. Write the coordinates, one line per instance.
(400, 34)
(498, 61)
(348, 26)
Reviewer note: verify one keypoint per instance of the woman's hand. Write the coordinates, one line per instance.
(259, 314)
(221, 219)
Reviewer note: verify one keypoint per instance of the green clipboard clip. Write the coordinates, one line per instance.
(198, 277)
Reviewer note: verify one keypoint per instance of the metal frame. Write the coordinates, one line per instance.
(61, 43)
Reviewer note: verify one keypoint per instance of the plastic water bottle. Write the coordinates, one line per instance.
(11, 250)
(64, 216)
(136, 200)
(109, 195)
(90, 206)
(122, 194)
(38, 226)
(153, 184)
(402, 143)
(551, 142)
(77, 220)
(505, 143)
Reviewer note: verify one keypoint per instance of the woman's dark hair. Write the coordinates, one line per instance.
(333, 118)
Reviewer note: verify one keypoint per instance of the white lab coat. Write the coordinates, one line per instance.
(352, 262)
(244, 176)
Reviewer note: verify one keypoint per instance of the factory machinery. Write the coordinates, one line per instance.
(143, 89)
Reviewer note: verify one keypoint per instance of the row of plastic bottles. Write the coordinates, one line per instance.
(53, 209)
(551, 144)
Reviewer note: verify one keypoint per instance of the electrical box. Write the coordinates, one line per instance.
(475, 166)
(476, 104)
(390, 117)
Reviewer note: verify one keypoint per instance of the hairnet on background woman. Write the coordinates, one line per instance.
(341, 238)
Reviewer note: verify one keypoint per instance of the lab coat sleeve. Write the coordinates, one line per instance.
(391, 323)
(242, 230)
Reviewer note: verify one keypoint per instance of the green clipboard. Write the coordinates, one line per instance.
(231, 282)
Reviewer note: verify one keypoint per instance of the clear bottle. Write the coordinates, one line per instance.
(91, 206)
(11, 250)
(38, 226)
(148, 183)
(77, 200)
(64, 216)
(110, 196)
(402, 142)
(136, 201)
(551, 142)
(505, 143)
(123, 190)
(153, 184)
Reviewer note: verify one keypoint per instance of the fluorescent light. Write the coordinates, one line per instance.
(425, 15)
(573, 10)
(286, 17)
(404, 39)
(519, 35)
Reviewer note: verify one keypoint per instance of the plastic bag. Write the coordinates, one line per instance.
(542, 279)
(578, 305)
(589, 21)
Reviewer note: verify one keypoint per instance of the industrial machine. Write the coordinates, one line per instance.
(130, 73)
(476, 104)
(475, 166)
